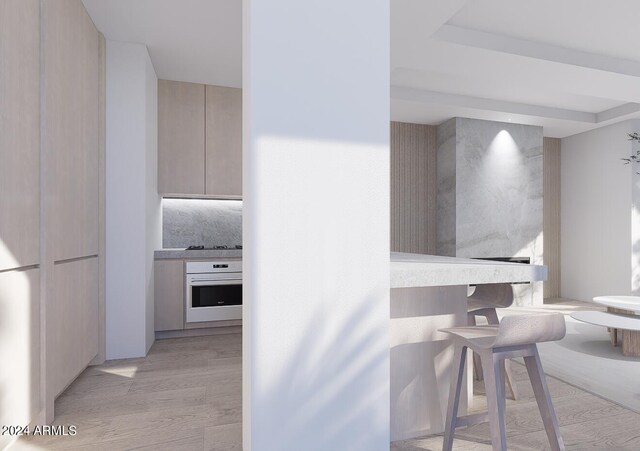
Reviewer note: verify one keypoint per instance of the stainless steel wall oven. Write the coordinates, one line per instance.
(213, 290)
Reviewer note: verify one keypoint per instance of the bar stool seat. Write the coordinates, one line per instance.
(515, 336)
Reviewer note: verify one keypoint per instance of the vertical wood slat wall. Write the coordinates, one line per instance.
(413, 188)
(551, 215)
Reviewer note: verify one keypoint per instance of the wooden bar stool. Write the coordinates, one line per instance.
(483, 302)
(516, 336)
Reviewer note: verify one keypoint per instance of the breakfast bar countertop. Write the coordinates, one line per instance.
(419, 270)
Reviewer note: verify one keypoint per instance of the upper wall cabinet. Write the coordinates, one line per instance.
(180, 138)
(19, 133)
(224, 141)
(72, 128)
(199, 140)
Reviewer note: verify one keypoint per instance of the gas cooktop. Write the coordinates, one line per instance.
(213, 248)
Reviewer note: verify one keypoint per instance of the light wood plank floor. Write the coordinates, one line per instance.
(587, 422)
(186, 395)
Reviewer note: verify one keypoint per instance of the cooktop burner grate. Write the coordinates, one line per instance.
(213, 248)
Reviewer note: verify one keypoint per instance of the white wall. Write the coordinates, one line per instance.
(132, 204)
(316, 225)
(596, 201)
(153, 228)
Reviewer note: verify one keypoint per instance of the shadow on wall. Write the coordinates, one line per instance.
(313, 364)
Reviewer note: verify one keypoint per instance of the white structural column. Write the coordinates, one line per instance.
(133, 205)
(316, 225)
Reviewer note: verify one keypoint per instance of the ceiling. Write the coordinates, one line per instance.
(188, 40)
(568, 66)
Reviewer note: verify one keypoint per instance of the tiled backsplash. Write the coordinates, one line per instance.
(207, 222)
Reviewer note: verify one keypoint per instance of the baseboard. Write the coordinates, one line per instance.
(161, 335)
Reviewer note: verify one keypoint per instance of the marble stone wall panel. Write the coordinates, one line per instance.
(204, 222)
(446, 191)
(496, 196)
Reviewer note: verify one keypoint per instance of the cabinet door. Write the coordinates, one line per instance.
(19, 133)
(72, 321)
(19, 347)
(72, 128)
(224, 141)
(169, 294)
(180, 138)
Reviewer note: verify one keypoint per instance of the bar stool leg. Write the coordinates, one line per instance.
(543, 398)
(477, 366)
(492, 318)
(511, 382)
(494, 387)
(457, 371)
(503, 379)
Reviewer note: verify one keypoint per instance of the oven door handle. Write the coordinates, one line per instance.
(209, 282)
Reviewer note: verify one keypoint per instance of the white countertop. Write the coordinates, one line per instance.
(418, 270)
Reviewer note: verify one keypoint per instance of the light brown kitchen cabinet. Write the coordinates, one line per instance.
(20, 342)
(72, 321)
(51, 201)
(199, 140)
(223, 141)
(19, 133)
(169, 294)
(72, 108)
(71, 140)
(181, 134)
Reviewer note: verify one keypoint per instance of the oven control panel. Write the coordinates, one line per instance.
(217, 266)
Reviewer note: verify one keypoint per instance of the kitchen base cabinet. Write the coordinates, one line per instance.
(169, 294)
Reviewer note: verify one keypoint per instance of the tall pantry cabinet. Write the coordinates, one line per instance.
(51, 203)
(20, 331)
